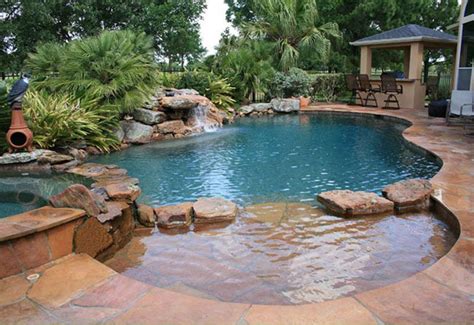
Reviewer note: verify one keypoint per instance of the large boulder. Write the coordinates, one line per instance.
(20, 157)
(123, 192)
(184, 102)
(135, 132)
(247, 109)
(348, 203)
(54, 158)
(146, 215)
(114, 210)
(79, 197)
(409, 194)
(180, 102)
(286, 105)
(174, 216)
(149, 117)
(186, 92)
(91, 238)
(172, 127)
(212, 210)
(261, 107)
(119, 133)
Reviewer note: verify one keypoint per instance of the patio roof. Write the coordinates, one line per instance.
(407, 34)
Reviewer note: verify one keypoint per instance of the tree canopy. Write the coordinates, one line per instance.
(173, 24)
(360, 18)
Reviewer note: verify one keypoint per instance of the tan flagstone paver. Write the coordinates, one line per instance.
(13, 289)
(161, 306)
(24, 312)
(341, 311)
(418, 300)
(58, 284)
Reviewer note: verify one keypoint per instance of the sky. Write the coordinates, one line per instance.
(213, 24)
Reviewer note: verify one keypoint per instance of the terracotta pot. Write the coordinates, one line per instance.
(305, 101)
(19, 136)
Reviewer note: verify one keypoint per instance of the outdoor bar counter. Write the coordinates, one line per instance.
(413, 95)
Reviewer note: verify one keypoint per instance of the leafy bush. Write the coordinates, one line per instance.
(294, 83)
(58, 120)
(327, 87)
(208, 84)
(246, 71)
(197, 80)
(169, 80)
(116, 68)
(220, 93)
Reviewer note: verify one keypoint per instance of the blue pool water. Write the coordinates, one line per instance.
(280, 158)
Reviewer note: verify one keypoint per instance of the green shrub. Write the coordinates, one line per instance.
(327, 87)
(116, 68)
(169, 80)
(197, 80)
(58, 120)
(294, 83)
(208, 84)
(220, 93)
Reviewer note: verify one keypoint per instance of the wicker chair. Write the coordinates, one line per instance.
(353, 85)
(392, 89)
(367, 87)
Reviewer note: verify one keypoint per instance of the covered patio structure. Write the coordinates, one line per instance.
(413, 40)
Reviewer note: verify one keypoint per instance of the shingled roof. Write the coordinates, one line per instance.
(407, 33)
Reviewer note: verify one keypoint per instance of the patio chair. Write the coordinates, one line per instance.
(392, 89)
(432, 84)
(353, 85)
(461, 106)
(367, 87)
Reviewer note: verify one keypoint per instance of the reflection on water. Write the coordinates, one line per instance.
(287, 253)
(23, 193)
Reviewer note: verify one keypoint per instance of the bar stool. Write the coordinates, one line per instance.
(353, 85)
(367, 87)
(390, 87)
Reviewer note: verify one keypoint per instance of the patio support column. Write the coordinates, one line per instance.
(366, 60)
(416, 61)
(406, 62)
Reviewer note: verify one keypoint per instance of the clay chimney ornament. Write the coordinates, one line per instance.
(19, 136)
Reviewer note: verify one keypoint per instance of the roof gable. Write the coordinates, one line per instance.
(407, 33)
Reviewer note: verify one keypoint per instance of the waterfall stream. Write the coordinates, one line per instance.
(200, 114)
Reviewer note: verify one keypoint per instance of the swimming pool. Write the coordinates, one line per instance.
(267, 159)
(284, 249)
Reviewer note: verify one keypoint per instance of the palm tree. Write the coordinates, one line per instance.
(243, 62)
(291, 26)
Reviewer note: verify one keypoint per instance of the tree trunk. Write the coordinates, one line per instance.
(426, 70)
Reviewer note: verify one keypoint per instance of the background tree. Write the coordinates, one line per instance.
(291, 26)
(360, 18)
(173, 24)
